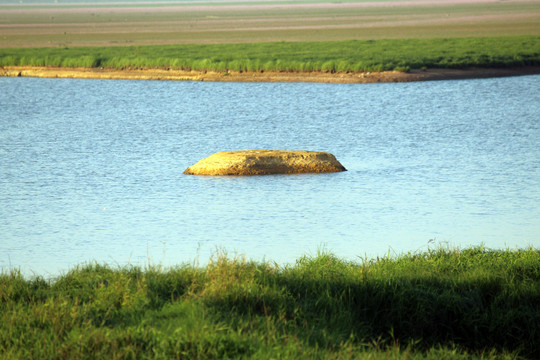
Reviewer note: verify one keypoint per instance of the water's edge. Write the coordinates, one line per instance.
(267, 76)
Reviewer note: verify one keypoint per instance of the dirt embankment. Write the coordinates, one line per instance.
(320, 77)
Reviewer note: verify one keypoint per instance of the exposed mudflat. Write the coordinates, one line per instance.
(268, 76)
(227, 21)
(145, 8)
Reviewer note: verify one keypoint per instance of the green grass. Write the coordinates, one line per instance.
(336, 56)
(452, 304)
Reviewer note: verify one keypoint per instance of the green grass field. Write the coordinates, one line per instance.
(440, 304)
(334, 56)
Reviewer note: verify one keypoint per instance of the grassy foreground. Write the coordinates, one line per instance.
(451, 304)
(333, 56)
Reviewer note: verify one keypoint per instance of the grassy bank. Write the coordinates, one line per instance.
(335, 56)
(473, 303)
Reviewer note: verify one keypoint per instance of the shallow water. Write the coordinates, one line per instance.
(91, 170)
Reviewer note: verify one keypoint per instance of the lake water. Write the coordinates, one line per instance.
(91, 170)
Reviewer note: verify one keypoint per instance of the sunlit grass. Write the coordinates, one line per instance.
(344, 56)
(445, 303)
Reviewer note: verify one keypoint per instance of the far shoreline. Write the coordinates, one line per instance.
(267, 76)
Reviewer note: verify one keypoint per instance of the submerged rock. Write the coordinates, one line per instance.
(265, 162)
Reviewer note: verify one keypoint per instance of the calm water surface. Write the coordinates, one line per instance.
(91, 170)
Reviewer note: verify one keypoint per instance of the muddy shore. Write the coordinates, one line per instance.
(316, 77)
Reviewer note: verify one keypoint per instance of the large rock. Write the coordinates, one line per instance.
(265, 162)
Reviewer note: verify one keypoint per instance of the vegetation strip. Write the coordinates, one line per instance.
(333, 57)
(452, 304)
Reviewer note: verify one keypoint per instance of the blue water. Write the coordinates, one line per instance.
(91, 170)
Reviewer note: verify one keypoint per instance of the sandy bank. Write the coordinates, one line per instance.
(319, 77)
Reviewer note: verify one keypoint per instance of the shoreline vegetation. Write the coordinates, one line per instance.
(473, 303)
(354, 61)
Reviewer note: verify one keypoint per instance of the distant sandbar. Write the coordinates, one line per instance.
(267, 76)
